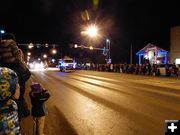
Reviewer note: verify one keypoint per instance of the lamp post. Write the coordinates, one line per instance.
(91, 32)
(54, 51)
(108, 46)
(29, 53)
(30, 45)
(45, 56)
(1, 33)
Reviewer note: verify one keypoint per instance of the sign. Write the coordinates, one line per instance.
(172, 127)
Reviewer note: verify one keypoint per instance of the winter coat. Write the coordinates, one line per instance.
(12, 57)
(9, 123)
(38, 103)
(9, 52)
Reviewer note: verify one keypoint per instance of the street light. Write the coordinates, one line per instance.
(1, 33)
(108, 44)
(92, 31)
(30, 45)
(75, 46)
(44, 56)
(107, 40)
(29, 54)
(28, 58)
(46, 45)
(54, 51)
(91, 48)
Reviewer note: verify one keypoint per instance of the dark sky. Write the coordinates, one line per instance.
(125, 22)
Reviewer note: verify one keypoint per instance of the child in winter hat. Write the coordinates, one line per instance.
(38, 97)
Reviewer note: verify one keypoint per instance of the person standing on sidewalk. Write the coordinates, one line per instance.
(11, 56)
(38, 96)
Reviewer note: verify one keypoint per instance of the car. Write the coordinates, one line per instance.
(66, 65)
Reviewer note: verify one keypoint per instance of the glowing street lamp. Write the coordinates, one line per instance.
(75, 46)
(45, 56)
(29, 54)
(28, 57)
(108, 46)
(1, 33)
(92, 31)
(30, 46)
(91, 48)
(54, 51)
(107, 40)
(46, 45)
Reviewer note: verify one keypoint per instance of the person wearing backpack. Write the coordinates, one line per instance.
(11, 56)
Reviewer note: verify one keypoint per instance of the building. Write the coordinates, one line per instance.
(175, 45)
(153, 54)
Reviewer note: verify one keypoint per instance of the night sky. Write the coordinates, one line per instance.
(124, 22)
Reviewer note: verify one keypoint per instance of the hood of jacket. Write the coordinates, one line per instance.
(5, 43)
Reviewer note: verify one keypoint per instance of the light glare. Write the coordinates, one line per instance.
(92, 31)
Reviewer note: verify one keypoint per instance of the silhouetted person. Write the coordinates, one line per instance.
(38, 97)
(11, 56)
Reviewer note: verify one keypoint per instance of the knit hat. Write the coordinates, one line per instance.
(8, 82)
(7, 36)
(37, 87)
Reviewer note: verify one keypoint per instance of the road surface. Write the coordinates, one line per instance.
(102, 103)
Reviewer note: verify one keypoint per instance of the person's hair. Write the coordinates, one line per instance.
(8, 36)
(37, 87)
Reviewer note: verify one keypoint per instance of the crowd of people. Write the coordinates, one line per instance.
(141, 69)
(13, 77)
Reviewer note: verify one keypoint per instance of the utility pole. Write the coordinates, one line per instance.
(108, 46)
(131, 54)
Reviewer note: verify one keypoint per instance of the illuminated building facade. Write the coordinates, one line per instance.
(154, 54)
